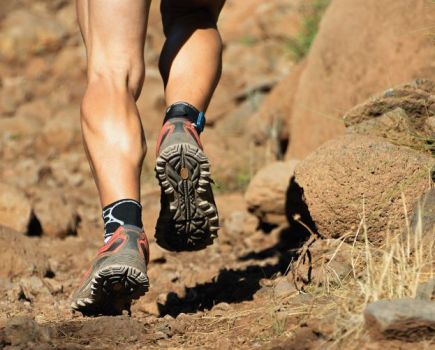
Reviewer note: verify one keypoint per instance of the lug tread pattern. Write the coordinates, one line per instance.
(191, 222)
(113, 288)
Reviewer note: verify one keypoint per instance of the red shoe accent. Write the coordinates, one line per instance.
(144, 247)
(166, 131)
(119, 234)
(190, 128)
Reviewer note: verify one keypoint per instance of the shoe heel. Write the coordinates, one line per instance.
(191, 220)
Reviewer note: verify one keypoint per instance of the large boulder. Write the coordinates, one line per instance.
(355, 177)
(362, 47)
(15, 208)
(266, 195)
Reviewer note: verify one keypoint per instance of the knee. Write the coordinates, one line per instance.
(119, 77)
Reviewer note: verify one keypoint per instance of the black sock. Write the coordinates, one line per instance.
(122, 212)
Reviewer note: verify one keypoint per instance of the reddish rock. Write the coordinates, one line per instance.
(353, 170)
(18, 127)
(254, 20)
(266, 193)
(14, 91)
(350, 61)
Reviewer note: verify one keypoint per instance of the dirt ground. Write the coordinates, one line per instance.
(237, 293)
(230, 295)
(222, 297)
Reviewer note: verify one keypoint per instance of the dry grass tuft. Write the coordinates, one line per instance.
(391, 271)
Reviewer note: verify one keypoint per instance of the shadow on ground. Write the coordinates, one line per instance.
(238, 285)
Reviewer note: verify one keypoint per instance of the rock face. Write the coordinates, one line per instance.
(401, 115)
(266, 193)
(15, 208)
(404, 319)
(350, 61)
(350, 170)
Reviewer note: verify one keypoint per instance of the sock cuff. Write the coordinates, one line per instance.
(122, 212)
(125, 200)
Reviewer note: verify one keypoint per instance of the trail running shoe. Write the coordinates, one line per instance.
(188, 217)
(117, 275)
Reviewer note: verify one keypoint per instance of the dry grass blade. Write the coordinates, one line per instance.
(393, 270)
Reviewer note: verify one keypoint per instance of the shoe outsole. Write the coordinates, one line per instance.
(183, 172)
(113, 289)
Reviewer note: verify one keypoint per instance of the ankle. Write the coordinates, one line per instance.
(120, 213)
(185, 110)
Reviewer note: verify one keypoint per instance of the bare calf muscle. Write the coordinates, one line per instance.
(111, 125)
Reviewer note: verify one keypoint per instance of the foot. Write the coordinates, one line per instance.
(188, 218)
(117, 275)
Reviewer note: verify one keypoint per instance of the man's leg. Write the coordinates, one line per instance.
(191, 59)
(114, 35)
(190, 65)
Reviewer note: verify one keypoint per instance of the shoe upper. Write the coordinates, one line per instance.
(128, 245)
(177, 130)
(183, 123)
(127, 237)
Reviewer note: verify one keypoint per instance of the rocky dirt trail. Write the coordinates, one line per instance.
(229, 295)
(319, 247)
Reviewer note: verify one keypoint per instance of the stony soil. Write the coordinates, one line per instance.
(219, 298)
(237, 293)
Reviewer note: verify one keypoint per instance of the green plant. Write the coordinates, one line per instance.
(300, 45)
(238, 183)
(248, 40)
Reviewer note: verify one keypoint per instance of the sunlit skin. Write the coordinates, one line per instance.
(114, 34)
